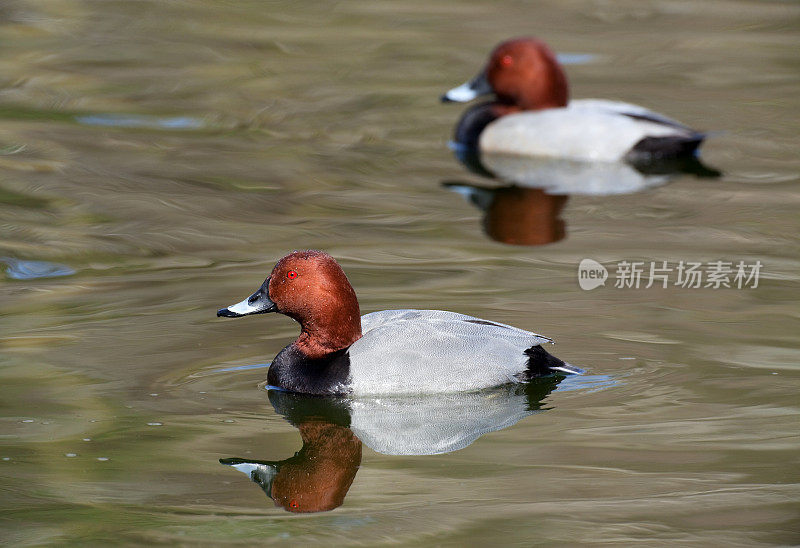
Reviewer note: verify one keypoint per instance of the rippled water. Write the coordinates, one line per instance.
(161, 157)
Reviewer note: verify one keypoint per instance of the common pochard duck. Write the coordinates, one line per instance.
(339, 352)
(531, 114)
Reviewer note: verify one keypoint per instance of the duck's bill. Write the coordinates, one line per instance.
(257, 303)
(468, 91)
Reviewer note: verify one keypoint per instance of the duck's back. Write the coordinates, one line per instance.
(428, 351)
(588, 129)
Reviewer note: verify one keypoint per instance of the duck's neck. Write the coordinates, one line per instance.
(320, 336)
(546, 91)
(536, 99)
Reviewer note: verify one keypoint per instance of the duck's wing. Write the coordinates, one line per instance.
(654, 148)
(636, 112)
(415, 351)
(603, 131)
(433, 319)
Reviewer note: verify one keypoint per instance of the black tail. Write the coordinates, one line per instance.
(670, 154)
(670, 146)
(541, 362)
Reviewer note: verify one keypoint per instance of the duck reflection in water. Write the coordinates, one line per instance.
(526, 210)
(517, 215)
(318, 477)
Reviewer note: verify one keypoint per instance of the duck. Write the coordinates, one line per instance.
(339, 352)
(532, 115)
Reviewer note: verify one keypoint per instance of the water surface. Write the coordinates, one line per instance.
(169, 153)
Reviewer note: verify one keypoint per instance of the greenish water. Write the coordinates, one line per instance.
(169, 153)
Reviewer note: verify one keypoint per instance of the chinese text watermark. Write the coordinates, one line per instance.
(685, 274)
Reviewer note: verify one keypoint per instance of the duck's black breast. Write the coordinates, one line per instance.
(294, 371)
(472, 123)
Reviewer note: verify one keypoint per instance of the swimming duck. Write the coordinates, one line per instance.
(339, 352)
(531, 114)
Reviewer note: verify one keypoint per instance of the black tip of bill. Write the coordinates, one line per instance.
(225, 313)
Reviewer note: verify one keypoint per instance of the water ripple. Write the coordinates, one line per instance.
(140, 121)
(19, 269)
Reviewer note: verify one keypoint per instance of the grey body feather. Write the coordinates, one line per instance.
(586, 129)
(429, 351)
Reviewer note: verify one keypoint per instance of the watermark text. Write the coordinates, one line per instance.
(685, 274)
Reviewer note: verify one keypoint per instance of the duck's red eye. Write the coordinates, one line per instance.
(506, 60)
(291, 274)
(293, 504)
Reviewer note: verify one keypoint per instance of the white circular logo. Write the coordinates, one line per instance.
(591, 274)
